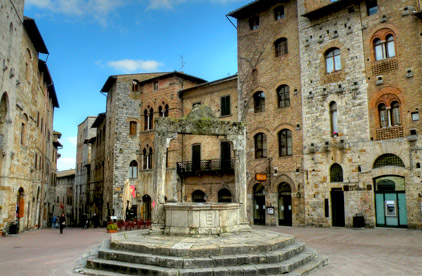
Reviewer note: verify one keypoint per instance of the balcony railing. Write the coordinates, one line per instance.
(387, 133)
(213, 166)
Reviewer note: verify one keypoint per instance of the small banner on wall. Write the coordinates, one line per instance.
(21, 207)
(132, 190)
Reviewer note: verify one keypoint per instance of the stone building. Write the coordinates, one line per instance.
(356, 87)
(361, 94)
(270, 102)
(52, 203)
(27, 102)
(133, 101)
(206, 167)
(96, 181)
(64, 195)
(82, 197)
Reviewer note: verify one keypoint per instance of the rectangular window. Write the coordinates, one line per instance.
(58, 199)
(132, 128)
(225, 105)
(372, 7)
(155, 85)
(415, 116)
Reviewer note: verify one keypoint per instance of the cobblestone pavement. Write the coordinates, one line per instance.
(366, 252)
(390, 252)
(45, 252)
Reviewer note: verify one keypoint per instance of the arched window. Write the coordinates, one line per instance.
(224, 195)
(280, 46)
(259, 101)
(254, 22)
(147, 158)
(260, 145)
(285, 143)
(163, 111)
(333, 60)
(333, 119)
(395, 113)
(382, 110)
(279, 13)
(336, 173)
(384, 47)
(388, 160)
(389, 114)
(23, 129)
(151, 118)
(283, 95)
(146, 120)
(198, 196)
(390, 49)
(133, 169)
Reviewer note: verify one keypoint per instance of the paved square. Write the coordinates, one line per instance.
(380, 251)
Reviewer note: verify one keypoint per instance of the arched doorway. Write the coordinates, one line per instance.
(224, 195)
(284, 204)
(198, 196)
(146, 207)
(259, 204)
(390, 201)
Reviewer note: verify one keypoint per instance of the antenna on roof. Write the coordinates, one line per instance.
(182, 63)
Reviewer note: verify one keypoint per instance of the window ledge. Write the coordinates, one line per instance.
(225, 116)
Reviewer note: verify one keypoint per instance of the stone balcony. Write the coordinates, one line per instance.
(387, 133)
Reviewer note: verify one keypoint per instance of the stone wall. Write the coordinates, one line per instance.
(261, 70)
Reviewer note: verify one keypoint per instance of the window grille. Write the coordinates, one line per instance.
(388, 160)
(336, 173)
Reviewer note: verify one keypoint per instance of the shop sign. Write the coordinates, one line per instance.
(261, 176)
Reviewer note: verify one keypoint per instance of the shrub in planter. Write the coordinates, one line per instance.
(112, 228)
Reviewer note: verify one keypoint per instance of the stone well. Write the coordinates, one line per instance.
(202, 218)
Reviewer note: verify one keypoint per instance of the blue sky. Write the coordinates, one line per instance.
(89, 40)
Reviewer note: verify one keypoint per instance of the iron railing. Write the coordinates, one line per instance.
(206, 166)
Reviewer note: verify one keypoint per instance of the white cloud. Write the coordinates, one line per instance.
(169, 4)
(96, 8)
(130, 65)
(64, 163)
(72, 140)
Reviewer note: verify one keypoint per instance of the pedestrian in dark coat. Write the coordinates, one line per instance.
(62, 221)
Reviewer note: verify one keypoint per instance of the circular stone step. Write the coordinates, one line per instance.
(182, 246)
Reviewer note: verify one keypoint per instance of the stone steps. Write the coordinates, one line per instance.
(308, 268)
(213, 261)
(244, 254)
(274, 268)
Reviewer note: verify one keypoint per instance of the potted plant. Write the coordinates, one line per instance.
(112, 228)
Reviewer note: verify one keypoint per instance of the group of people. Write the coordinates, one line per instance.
(58, 222)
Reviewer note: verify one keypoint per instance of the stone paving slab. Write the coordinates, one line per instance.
(241, 243)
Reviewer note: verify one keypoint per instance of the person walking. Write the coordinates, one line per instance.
(62, 221)
(53, 222)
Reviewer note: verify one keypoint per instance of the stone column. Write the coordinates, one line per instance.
(161, 143)
(240, 196)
